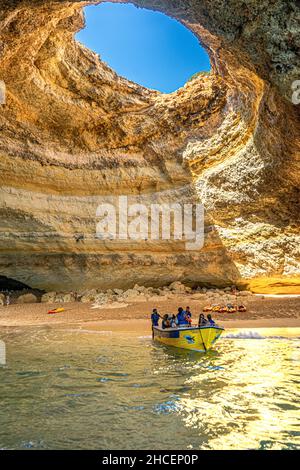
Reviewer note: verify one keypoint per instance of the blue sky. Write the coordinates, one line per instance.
(146, 47)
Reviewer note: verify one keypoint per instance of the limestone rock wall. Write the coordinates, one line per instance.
(72, 131)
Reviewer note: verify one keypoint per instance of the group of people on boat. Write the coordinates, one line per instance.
(182, 318)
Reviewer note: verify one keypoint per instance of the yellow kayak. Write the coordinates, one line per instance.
(194, 338)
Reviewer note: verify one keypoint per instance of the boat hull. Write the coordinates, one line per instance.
(199, 339)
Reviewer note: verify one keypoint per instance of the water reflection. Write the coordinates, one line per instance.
(80, 389)
(242, 407)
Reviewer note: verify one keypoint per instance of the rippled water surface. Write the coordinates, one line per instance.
(89, 389)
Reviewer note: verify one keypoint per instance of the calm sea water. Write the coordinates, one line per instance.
(89, 389)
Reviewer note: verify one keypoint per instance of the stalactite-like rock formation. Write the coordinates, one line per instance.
(72, 131)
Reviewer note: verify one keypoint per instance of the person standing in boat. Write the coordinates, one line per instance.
(181, 317)
(155, 316)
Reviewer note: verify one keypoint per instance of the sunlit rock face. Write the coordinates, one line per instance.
(73, 131)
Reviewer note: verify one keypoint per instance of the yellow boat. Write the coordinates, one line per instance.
(194, 338)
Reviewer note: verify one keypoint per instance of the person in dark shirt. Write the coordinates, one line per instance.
(202, 320)
(188, 316)
(166, 322)
(155, 316)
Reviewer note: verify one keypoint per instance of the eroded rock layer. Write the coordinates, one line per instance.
(72, 131)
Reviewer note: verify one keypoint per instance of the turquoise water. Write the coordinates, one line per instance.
(89, 389)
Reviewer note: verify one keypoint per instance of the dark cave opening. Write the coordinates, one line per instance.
(8, 284)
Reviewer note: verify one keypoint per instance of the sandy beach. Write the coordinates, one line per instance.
(261, 312)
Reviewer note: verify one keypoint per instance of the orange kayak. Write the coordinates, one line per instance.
(56, 310)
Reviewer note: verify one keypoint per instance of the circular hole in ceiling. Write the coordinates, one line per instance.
(144, 46)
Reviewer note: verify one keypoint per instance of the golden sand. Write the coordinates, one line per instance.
(261, 312)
